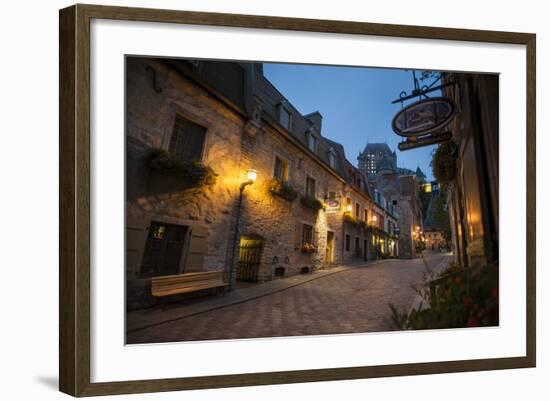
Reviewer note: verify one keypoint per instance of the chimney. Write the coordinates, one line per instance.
(316, 119)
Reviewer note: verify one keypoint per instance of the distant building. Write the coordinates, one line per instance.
(374, 156)
(378, 157)
(434, 240)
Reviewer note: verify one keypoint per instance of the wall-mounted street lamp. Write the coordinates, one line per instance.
(348, 208)
(251, 176)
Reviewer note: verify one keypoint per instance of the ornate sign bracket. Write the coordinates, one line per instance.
(421, 91)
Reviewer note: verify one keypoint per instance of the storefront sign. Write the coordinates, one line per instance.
(332, 205)
(423, 117)
(424, 141)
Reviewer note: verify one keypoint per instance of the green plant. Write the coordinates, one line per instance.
(312, 203)
(282, 190)
(355, 221)
(192, 173)
(444, 163)
(456, 298)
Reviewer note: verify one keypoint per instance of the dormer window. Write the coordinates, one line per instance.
(332, 158)
(285, 116)
(312, 141)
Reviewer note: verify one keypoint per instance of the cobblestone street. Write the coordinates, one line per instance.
(350, 301)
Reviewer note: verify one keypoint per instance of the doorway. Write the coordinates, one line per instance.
(163, 250)
(365, 249)
(250, 256)
(329, 255)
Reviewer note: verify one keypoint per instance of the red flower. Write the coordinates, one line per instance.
(494, 292)
(472, 322)
(466, 301)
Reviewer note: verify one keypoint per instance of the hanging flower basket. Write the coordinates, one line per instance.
(192, 174)
(282, 190)
(312, 203)
(444, 163)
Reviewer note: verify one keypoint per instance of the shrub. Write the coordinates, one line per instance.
(457, 298)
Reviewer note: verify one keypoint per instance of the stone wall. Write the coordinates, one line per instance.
(150, 196)
(278, 221)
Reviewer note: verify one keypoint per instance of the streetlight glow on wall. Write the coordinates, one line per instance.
(251, 175)
(348, 208)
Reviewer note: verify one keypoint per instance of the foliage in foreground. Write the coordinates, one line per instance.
(459, 298)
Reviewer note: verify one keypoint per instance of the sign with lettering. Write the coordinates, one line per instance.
(424, 141)
(332, 205)
(423, 117)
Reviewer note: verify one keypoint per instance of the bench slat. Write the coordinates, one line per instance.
(188, 282)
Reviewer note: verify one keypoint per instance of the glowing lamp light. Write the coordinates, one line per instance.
(374, 218)
(348, 208)
(251, 175)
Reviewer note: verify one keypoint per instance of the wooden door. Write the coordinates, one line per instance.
(329, 257)
(163, 249)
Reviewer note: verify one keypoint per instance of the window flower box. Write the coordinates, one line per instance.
(282, 190)
(192, 174)
(312, 203)
(309, 248)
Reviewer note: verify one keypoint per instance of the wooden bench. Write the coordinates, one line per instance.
(163, 286)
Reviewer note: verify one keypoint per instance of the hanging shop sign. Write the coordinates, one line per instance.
(423, 117)
(413, 143)
(332, 205)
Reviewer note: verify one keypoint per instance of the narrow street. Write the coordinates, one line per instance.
(351, 301)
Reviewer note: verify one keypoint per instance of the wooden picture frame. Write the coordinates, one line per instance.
(74, 296)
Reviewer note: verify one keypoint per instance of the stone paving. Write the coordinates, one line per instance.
(351, 300)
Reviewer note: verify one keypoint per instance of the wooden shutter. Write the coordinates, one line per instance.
(298, 235)
(187, 140)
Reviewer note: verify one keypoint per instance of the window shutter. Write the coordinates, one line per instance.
(187, 140)
(298, 233)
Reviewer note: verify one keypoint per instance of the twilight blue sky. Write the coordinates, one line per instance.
(355, 103)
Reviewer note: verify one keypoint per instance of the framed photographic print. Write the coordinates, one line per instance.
(252, 200)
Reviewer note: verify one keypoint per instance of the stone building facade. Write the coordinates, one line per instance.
(172, 229)
(195, 129)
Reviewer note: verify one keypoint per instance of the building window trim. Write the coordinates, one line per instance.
(307, 187)
(286, 168)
